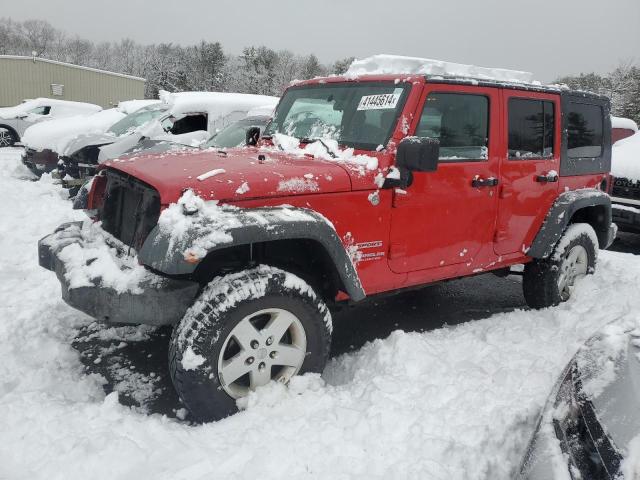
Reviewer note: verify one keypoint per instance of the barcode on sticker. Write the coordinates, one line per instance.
(379, 102)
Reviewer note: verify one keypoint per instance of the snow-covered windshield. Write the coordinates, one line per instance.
(359, 115)
(137, 119)
(235, 134)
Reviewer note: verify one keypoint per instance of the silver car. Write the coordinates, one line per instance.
(590, 426)
(15, 120)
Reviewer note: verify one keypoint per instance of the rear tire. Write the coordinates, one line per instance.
(246, 329)
(8, 137)
(550, 281)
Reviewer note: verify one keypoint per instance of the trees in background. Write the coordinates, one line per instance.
(258, 69)
(622, 86)
(166, 66)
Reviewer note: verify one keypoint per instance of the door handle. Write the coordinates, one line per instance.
(547, 177)
(484, 182)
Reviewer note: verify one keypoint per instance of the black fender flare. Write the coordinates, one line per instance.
(253, 225)
(560, 214)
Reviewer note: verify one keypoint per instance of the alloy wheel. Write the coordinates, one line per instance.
(573, 267)
(267, 345)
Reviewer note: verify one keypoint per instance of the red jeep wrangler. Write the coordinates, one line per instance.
(361, 185)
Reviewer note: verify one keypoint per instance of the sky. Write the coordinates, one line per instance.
(547, 37)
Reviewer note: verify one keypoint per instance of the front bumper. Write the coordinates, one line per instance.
(40, 162)
(158, 300)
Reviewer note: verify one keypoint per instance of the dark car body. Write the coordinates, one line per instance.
(593, 412)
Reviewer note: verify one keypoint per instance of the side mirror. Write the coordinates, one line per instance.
(252, 136)
(22, 116)
(418, 154)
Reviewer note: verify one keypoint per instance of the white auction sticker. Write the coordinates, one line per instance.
(379, 102)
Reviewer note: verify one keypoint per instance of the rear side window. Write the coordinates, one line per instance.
(531, 128)
(40, 110)
(460, 121)
(584, 130)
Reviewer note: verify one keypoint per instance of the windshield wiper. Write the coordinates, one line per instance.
(326, 147)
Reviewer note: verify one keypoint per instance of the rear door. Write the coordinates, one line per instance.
(446, 216)
(529, 170)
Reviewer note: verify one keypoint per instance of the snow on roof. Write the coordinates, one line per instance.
(130, 106)
(626, 123)
(392, 64)
(71, 65)
(64, 107)
(625, 158)
(217, 104)
(263, 111)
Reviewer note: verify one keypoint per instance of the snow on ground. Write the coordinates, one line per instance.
(453, 403)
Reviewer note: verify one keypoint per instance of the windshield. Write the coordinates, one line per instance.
(235, 134)
(359, 115)
(137, 119)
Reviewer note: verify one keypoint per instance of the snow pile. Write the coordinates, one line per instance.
(55, 135)
(393, 64)
(450, 403)
(95, 261)
(326, 149)
(196, 225)
(625, 123)
(631, 465)
(625, 158)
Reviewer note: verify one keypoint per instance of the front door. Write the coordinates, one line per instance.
(446, 216)
(529, 171)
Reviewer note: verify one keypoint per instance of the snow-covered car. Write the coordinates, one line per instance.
(15, 120)
(46, 142)
(185, 118)
(590, 425)
(625, 184)
(234, 135)
(622, 128)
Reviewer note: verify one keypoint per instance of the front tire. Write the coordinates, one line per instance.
(550, 281)
(245, 330)
(8, 138)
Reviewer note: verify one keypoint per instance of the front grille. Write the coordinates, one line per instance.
(130, 210)
(625, 188)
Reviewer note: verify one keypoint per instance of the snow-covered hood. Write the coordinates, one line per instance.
(60, 135)
(80, 141)
(235, 175)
